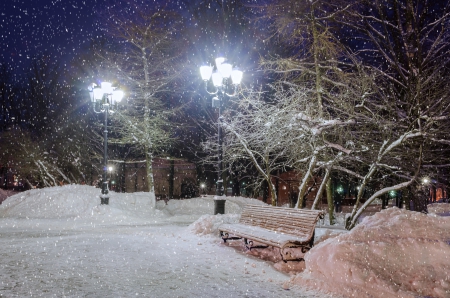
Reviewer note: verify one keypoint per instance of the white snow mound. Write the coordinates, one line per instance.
(77, 201)
(394, 253)
(209, 224)
(205, 205)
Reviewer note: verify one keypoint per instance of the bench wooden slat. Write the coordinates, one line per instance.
(260, 235)
(294, 215)
(296, 221)
(283, 214)
(279, 224)
(293, 212)
(275, 226)
(293, 221)
(259, 214)
(282, 210)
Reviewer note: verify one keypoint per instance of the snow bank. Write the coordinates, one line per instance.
(209, 224)
(83, 202)
(394, 253)
(441, 209)
(198, 206)
(241, 201)
(205, 205)
(73, 202)
(77, 201)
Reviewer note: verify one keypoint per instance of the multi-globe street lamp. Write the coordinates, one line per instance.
(220, 77)
(107, 97)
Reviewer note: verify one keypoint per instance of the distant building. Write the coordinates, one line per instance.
(9, 179)
(437, 193)
(286, 185)
(173, 178)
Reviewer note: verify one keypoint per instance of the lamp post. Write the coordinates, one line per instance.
(107, 97)
(220, 78)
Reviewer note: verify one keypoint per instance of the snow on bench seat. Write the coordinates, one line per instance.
(268, 237)
(274, 226)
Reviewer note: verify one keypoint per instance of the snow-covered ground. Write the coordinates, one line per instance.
(59, 242)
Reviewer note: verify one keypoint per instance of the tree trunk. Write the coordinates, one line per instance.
(321, 189)
(149, 166)
(171, 178)
(304, 185)
(330, 201)
(273, 191)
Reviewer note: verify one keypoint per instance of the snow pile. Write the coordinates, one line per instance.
(77, 202)
(204, 205)
(53, 202)
(394, 253)
(441, 209)
(242, 201)
(209, 224)
(198, 206)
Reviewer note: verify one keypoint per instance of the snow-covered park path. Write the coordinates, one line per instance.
(42, 259)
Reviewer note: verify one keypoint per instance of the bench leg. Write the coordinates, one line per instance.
(249, 244)
(305, 248)
(225, 236)
(286, 256)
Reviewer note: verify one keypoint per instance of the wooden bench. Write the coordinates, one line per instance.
(274, 226)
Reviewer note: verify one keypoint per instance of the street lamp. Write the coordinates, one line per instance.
(220, 79)
(107, 97)
(202, 186)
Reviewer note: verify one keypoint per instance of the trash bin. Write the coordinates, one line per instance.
(219, 207)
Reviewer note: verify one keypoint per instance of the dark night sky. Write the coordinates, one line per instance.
(59, 27)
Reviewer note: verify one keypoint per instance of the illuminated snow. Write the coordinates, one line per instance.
(60, 242)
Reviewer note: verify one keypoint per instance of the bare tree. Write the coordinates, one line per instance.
(148, 61)
(407, 43)
(314, 63)
(254, 137)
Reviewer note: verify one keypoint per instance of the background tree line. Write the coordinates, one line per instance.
(359, 93)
